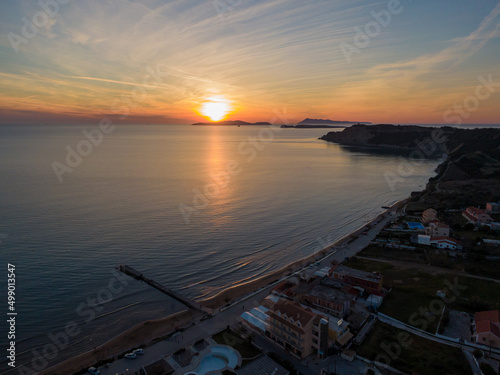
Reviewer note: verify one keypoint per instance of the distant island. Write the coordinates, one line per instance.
(308, 123)
(231, 123)
(316, 121)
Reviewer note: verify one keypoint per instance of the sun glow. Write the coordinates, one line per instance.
(216, 108)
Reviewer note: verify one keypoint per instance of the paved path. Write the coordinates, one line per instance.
(470, 347)
(231, 314)
(473, 364)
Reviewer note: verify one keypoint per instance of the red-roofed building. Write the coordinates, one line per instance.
(428, 215)
(487, 327)
(445, 242)
(297, 329)
(371, 281)
(476, 216)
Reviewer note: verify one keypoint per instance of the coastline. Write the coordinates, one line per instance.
(142, 334)
(149, 332)
(228, 296)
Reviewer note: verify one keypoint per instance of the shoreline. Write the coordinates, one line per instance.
(142, 334)
(151, 331)
(242, 291)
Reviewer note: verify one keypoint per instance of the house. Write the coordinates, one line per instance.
(493, 208)
(370, 281)
(438, 229)
(476, 216)
(374, 301)
(487, 328)
(324, 298)
(445, 242)
(298, 329)
(339, 333)
(429, 215)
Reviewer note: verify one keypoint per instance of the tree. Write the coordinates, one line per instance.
(477, 353)
(487, 369)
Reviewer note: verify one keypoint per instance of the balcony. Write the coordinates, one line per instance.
(288, 340)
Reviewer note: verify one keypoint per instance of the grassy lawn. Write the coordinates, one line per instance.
(483, 267)
(412, 354)
(230, 338)
(415, 288)
(416, 256)
(402, 305)
(479, 267)
(472, 235)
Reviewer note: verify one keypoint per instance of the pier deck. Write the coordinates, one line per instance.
(184, 300)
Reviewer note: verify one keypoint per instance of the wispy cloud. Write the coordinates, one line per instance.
(262, 54)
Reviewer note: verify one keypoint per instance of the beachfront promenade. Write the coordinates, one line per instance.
(230, 315)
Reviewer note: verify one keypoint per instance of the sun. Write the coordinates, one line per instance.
(215, 108)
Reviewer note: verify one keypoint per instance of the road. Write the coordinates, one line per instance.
(495, 353)
(230, 315)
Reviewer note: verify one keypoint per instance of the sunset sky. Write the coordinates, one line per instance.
(165, 61)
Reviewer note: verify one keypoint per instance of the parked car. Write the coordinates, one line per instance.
(131, 355)
(93, 371)
(138, 351)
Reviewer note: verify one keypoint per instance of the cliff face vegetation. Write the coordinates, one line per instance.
(470, 175)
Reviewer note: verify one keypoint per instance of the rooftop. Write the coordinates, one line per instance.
(492, 315)
(439, 224)
(304, 288)
(444, 239)
(292, 312)
(262, 366)
(475, 210)
(327, 293)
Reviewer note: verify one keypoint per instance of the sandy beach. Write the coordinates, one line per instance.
(226, 297)
(140, 335)
(153, 331)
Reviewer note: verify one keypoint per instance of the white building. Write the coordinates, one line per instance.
(424, 239)
(446, 243)
(438, 229)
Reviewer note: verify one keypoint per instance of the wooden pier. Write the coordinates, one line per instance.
(184, 300)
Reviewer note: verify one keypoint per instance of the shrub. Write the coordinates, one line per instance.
(487, 369)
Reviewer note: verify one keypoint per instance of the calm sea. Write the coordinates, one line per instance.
(285, 198)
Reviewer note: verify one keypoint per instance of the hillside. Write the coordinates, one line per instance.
(470, 174)
(316, 121)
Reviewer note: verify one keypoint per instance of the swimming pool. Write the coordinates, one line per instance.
(414, 226)
(217, 358)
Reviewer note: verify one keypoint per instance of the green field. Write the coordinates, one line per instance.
(412, 354)
(414, 292)
(417, 256)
